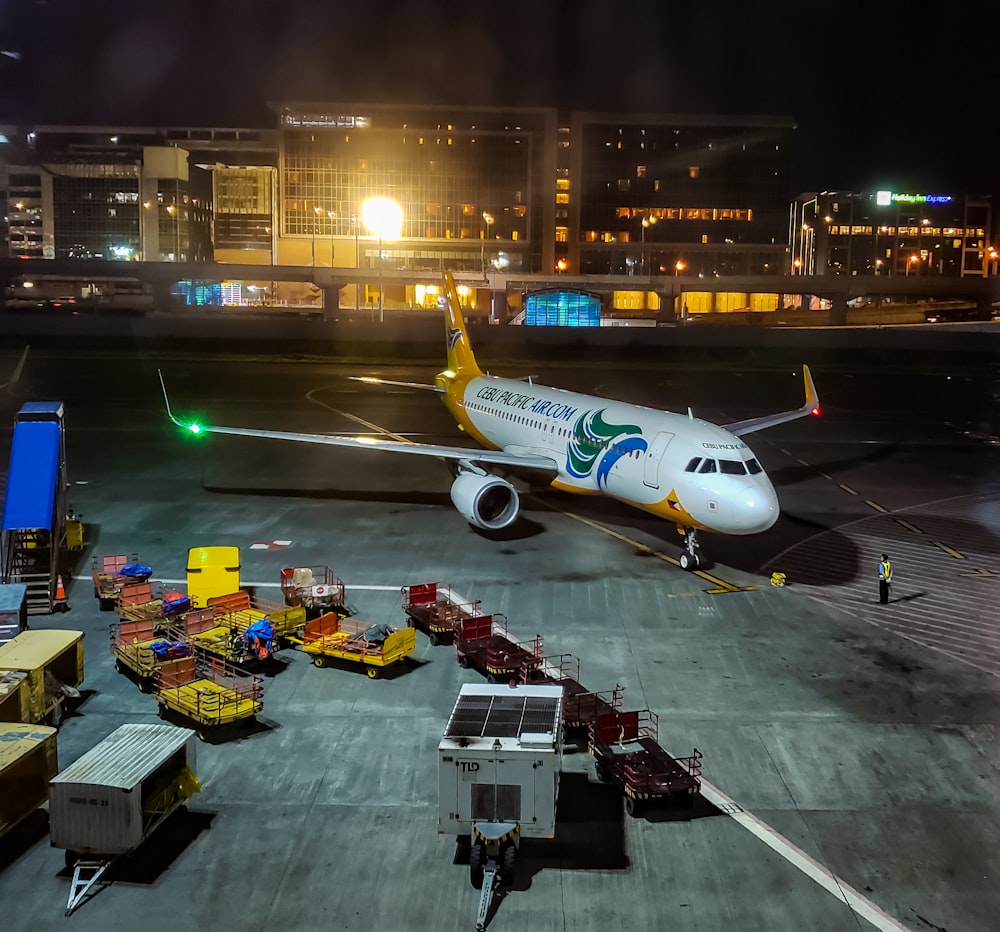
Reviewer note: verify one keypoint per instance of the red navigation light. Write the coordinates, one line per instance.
(816, 411)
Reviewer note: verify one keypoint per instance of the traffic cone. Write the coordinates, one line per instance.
(60, 603)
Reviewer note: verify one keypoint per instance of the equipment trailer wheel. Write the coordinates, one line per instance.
(372, 672)
(507, 871)
(319, 661)
(476, 865)
(633, 806)
(434, 638)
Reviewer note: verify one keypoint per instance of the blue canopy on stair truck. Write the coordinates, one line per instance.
(32, 477)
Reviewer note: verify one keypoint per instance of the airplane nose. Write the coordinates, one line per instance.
(756, 510)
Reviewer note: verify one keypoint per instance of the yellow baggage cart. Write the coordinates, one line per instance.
(208, 692)
(333, 637)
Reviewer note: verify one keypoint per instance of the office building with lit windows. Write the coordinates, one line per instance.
(891, 233)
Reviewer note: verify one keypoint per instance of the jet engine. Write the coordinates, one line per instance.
(484, 500)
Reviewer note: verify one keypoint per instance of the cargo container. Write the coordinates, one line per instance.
(498, 776)
(212, 571)
(52, 661)
(108, 801)
(28, 760)
(13, 610)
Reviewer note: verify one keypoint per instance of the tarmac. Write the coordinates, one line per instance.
(851, 776)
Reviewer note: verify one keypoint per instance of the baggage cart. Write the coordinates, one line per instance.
(111, 573)
(51, 666)
(498, 776)
(627, 753)
(580, 706)
(332, 637)
(437, 610)
(315, 589)
(482, 643)
(110, 800)
(140, 648)
(208, 692)
(239, 611)
(28, 760)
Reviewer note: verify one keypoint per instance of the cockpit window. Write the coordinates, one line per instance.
(708, 466)
(732, 467)
(693, 465)
(753, 467)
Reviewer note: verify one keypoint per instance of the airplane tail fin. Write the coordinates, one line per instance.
(461, 359)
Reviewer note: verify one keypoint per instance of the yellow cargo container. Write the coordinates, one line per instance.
(28, 760)
(15, 700)
(41, 655)
(211, 572)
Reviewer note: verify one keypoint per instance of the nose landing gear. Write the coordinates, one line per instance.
(690, 558)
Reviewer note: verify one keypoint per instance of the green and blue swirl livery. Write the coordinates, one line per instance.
(588, 448)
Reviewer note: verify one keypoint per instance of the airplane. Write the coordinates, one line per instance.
(698, 475)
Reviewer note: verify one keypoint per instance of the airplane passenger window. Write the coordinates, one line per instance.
(693, 465)
(753, 467)
(732, 467)
(708, 466)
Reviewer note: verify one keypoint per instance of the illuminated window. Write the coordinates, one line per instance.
(562, 234)
(562, 198)
(640, 171)
(693, 171)
(562, 184)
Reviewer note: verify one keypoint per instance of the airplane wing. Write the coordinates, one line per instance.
(811, 406)
(464, 454)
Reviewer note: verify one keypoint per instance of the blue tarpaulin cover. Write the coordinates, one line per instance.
(32, 477)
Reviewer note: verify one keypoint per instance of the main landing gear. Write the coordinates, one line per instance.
(690, 558)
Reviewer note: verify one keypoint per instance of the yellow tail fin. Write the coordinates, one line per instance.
(460, 356)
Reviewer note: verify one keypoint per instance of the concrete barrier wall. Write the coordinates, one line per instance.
(423, 339)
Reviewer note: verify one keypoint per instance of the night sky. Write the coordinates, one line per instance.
(897, 95)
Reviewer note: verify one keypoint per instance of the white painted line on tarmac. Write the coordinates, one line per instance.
(259, 585)
(860, 905)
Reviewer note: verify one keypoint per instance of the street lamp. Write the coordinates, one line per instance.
(679, 266)
(384, 217)
(315, 220)
(647, 222)
(487, 223)
(911, 263)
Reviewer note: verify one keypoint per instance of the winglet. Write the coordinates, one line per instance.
(812, 398)
(166, 400)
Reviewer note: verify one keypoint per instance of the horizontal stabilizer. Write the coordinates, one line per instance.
(373, 380)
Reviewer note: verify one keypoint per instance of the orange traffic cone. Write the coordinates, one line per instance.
(60, 603)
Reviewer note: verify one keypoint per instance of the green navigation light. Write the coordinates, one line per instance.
(194, 428)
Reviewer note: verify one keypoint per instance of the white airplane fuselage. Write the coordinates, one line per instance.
(689, 471)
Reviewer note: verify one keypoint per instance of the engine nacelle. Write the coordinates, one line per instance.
(485, 501)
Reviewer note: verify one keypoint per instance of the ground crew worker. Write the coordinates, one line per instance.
(884, 579)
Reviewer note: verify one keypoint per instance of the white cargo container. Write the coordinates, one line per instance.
(112, 798)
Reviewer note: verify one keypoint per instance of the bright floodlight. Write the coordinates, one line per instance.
(383, 217)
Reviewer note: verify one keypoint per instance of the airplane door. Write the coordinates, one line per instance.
(651, 466)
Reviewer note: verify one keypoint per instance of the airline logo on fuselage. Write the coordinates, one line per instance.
(530, 404)
(598, 444)
(454, 336)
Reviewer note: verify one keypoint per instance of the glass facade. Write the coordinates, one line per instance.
(651, 193)
(96, 211)
(562, 309)
(457, 175)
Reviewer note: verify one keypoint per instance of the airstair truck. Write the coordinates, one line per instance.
(498, 777)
